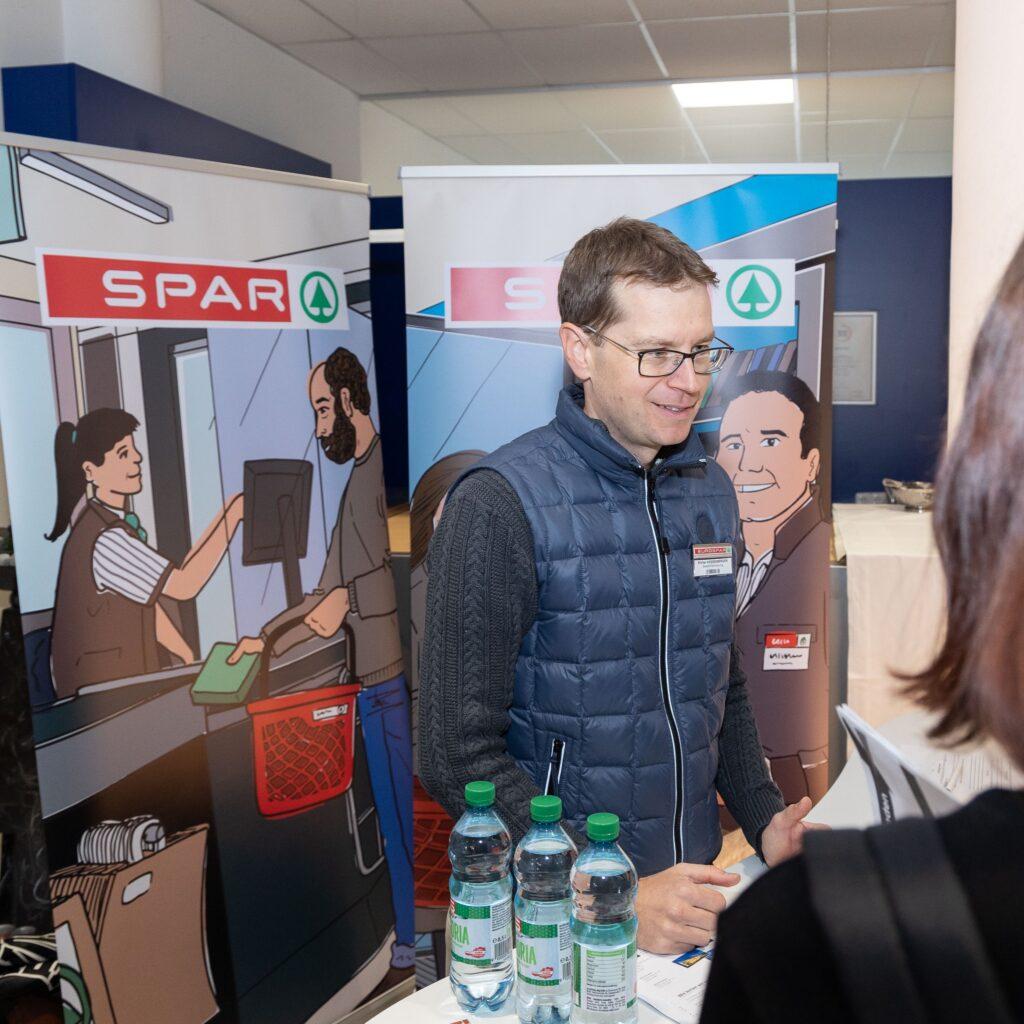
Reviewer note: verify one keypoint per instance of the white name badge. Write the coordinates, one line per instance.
(712, 560)
(787, 652)
(791, 660)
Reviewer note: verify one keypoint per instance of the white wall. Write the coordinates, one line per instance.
(193, 56)
(988, 152)
(189, 54)
(388, 143)
(119, 39)
(31, 32)
(212, 65)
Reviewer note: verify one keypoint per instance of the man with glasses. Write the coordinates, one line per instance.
(580, 611)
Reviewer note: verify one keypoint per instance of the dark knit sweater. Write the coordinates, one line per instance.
(481, 602)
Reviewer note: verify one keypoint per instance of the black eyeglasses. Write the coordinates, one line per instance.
(661, 362)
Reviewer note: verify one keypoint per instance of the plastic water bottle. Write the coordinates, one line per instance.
(603, 925)
(542, 864)
(480, 915)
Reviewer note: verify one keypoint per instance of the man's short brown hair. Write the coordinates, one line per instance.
(624, 250)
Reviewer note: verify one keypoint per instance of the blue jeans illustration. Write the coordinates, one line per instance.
(384, 711)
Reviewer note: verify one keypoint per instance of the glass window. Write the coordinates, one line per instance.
(214, 605)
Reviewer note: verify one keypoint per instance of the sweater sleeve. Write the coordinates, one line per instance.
(743, 778)
(481, 602)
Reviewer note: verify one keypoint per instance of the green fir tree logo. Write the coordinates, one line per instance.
(752, 297)
(760, 292)
(319, 297)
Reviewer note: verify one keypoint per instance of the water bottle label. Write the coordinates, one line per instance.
(543, 952)
(481, 935)
(604, 979)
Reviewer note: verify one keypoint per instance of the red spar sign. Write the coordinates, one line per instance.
(86, 289)
(505, 295)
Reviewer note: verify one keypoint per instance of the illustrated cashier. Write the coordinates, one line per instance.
(107, 619)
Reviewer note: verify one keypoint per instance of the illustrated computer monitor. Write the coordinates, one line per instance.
(276, 524)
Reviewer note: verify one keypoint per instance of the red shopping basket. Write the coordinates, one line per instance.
(304, 742)
(303, 745)
(431, 827)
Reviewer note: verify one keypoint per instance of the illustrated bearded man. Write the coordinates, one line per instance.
(356, 586)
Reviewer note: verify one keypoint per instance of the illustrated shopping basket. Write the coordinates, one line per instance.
(431, 827)
(303, 743)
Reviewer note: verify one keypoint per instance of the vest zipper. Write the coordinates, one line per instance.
(554, 776)
(661, 549)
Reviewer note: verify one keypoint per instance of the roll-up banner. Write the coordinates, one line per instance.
(188, 409)
(483, 246)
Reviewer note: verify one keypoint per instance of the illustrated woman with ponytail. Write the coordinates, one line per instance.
(107, 622)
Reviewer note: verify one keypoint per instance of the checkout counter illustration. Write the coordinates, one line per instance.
(248, 837)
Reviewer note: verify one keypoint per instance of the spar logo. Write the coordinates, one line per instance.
(754, 291)
(502, 295)
(758, 292)
(85, 289)
(319, 297)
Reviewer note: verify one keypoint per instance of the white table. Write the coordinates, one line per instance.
(896, 602)
(436, 1005)
(846, 805)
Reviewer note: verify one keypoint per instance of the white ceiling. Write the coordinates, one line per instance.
(885, 110)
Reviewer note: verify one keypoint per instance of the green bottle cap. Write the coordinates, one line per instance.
(603, 828)
(546, 808)
(480, 794)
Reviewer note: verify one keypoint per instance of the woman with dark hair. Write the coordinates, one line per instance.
(930, 928)
(428, 499)
(107, 623)
(424, 511)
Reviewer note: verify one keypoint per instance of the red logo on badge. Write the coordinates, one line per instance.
(780, 640)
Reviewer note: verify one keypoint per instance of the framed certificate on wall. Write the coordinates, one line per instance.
(854, 362)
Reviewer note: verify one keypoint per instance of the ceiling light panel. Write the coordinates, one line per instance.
(751, 92)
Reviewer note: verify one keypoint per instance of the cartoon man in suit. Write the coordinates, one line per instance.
(769, 446)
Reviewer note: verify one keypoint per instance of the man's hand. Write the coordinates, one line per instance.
(247, 645)
(676, 910)
(784, 836)
(326, 618)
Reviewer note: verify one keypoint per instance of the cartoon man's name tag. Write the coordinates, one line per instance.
(712, 560)
(787, 652)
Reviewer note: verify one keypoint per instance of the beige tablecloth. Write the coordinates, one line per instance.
(895, 598)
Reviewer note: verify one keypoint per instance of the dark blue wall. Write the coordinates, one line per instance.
(893, 257)
(67, 101)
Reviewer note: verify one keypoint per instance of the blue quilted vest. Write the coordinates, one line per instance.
(627, 661)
